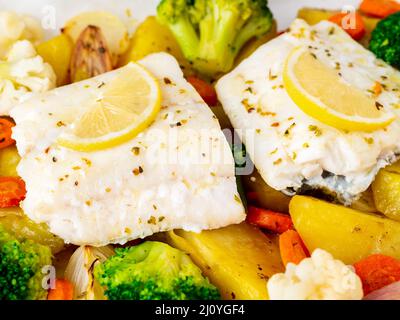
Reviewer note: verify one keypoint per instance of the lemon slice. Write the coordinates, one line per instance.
(322, 94)
(124, 107)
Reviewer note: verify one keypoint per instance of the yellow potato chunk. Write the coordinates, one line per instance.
(386, 190)
(238, 259)
(152, 37)
(9, 159)
(57, 52)
(349, 235)
(17, 223)
(395, 167)
(365, 203)
(313, 16)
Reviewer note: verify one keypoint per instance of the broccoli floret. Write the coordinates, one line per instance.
(212, 32)
(21, 265)
(153, 271)
(385, 40)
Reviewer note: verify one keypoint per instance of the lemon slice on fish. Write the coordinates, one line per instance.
(321, 93)
(124, 107)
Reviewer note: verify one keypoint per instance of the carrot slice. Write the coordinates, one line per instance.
(12, 191)
(379, 8)
(5, 133)
(292, 247)
(355, 29)
(377, 271)
(63, 291)
(270, 220)
(205, 90)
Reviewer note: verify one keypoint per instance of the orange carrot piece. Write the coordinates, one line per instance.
(292, 247)
(377, 271)
(356, 29)
(5, 133)
(12, 191)
(379, 8)
(205, 90)
(63, 291)
(270, 220)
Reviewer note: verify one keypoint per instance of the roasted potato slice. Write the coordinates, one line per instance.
(313, 16)
(9, 159)
(57, 52)
(349, 235)
(152, 37)
(238, 259)
(386, 191)
(365, 203)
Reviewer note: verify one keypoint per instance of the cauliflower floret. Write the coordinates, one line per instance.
(21, 73)
(320, 277)
(17, 27)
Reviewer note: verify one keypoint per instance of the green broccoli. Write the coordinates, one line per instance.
(153, 271)
(21, 265)
(385, 40)
(212, 32)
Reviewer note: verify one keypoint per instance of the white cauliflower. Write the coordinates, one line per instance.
(21, 73)
(16, 27)
(22, 70)
(320, 277)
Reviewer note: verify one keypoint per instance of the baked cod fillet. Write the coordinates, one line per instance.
(177, 174)
(294, 152)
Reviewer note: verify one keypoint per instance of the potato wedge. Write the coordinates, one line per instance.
(152, 37)
(365, 203)
(238, 259)
(267, 197)
(386, 191)
(114, 30)
(16, 222)
(9, 159)
(349, 235)
(57, 52)
(313, 16)
(395, 167)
